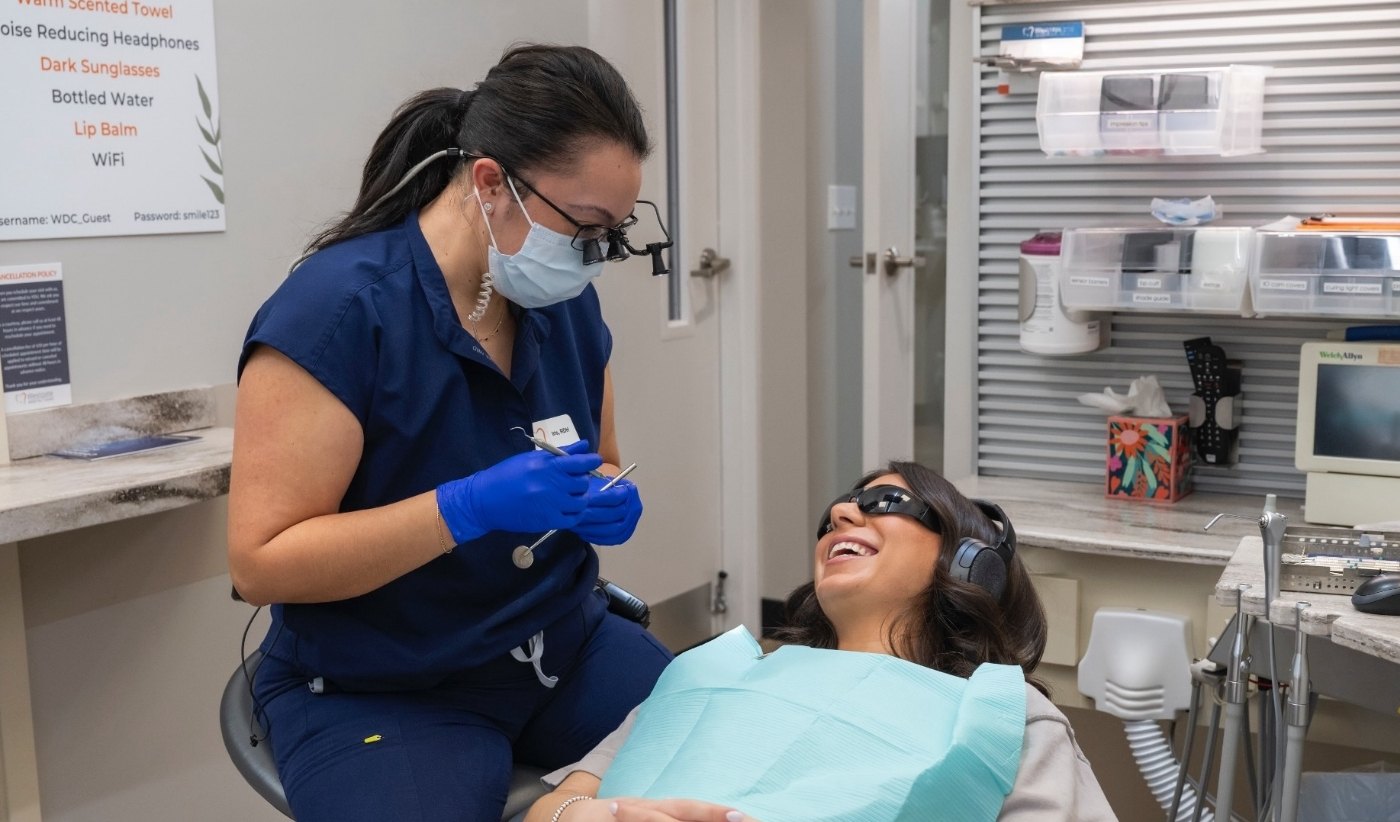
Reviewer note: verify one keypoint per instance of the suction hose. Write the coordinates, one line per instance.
(1159, 767)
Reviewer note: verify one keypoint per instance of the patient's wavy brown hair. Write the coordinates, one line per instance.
(955, 626)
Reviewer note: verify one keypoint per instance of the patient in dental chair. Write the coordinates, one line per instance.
(905, 690)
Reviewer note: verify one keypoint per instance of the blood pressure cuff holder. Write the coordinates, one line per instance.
(823, 735)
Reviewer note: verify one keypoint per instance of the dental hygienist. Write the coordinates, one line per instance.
(378, 488)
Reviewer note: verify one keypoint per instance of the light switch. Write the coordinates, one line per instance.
(840, 207)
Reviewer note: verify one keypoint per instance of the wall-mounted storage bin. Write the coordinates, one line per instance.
(1327, 273)
(1205, 111)
(1156, 269)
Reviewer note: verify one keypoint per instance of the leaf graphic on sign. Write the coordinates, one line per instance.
(213, 166)
(204, 99)
(214, 187)
(212, 136)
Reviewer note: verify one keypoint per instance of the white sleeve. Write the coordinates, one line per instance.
(597, 760)
(1055, 781)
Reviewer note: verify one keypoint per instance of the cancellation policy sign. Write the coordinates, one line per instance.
(111, 119)
(33, 337)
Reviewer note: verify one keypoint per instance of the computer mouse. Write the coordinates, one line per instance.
(1378, 595)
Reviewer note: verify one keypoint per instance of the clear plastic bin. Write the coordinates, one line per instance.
(1351, 274)
(1156, 269)
(1203, 111)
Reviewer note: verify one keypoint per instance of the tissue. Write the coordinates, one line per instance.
(1148, 449)
(1183, 211)
(1144, 399)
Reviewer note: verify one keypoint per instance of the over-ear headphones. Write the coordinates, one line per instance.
(984, 565)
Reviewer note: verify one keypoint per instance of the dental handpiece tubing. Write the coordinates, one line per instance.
(1299, 704)
(1292, 772)
(1236, 694)
(1229, 757)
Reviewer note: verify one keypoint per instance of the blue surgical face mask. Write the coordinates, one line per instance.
(546, 270)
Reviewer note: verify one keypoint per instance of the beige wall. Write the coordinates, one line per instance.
(131, 630)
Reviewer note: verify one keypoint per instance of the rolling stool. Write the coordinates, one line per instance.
(258, 767)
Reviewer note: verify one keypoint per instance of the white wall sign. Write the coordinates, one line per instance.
(33, 337)
(111, 119)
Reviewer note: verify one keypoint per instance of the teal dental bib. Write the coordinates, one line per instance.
(820, 736)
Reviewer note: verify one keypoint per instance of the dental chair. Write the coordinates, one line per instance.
(255, 762)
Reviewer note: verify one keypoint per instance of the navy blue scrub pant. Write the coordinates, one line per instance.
(445, 754)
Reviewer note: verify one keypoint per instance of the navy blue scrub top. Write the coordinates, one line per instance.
(371, 319)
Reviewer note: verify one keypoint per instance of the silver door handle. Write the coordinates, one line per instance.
(711, 264)
(893, 262)
(890, 261)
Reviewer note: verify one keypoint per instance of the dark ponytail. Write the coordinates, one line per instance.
(536, 109)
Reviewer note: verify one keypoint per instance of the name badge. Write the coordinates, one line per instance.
(557, 431)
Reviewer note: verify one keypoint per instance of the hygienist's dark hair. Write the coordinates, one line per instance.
(536, 109)
(955, 625)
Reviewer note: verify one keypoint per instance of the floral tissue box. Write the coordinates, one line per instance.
(1149, 458)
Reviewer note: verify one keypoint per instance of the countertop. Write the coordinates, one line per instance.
(1329, 615)
(48, 495)
(1071, 516)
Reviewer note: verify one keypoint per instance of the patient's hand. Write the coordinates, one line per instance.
(627, 809)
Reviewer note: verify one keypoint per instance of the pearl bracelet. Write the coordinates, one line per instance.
(559, 812)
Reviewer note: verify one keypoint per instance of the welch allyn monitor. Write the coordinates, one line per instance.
(1349, 431)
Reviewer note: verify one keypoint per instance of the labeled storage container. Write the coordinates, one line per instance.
(1353, 274)
(1156, 269)
(1207, 111)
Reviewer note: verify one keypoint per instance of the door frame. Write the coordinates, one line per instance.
(735, 128)
(960, 341)
(887, 339)
(888, 304)
(737, 125)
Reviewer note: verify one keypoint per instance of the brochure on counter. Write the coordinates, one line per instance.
(117, 448)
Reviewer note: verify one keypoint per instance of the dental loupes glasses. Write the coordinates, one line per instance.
(883, 499)
(588, 238)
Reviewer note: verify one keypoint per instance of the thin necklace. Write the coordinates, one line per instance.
(499, 321)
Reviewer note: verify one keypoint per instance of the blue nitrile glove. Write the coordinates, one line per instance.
(611, 515)
(533, 491)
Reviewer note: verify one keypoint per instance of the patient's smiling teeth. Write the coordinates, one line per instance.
(847, 548)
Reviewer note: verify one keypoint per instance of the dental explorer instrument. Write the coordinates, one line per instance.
(545, 445)
(524, 555)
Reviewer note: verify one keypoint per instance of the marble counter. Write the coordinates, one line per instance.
(48, 495)
(1329, 615)
(1076, 517)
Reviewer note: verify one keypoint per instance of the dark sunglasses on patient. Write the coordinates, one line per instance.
(883, 499)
